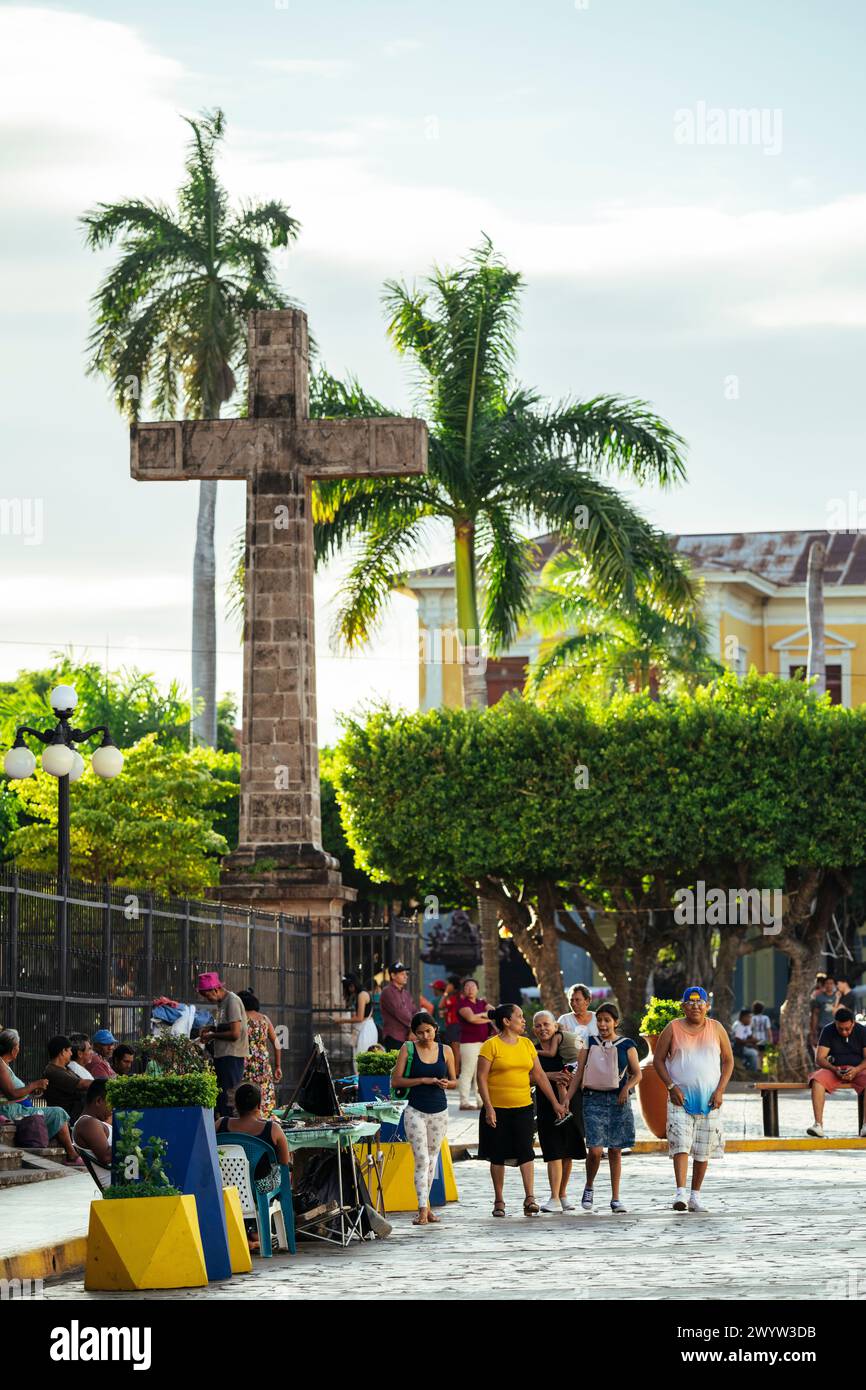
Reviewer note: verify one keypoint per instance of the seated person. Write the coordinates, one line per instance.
(841, 1059)
(82, 1056)
(103, 1044)
(745, 1044)
(14, 1091)
(92, 1129)
(248, 1120)
(64, 1088)
(123, 1059)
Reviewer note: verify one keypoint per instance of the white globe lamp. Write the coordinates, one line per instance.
(64, 697)
(77, 766)
(58, 760)
(19, 763)
(107, 761)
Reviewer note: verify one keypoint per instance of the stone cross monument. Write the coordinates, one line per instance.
(279, 451)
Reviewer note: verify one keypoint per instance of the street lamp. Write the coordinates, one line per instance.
(62, 760)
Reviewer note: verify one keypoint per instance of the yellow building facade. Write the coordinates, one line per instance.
(754, 602)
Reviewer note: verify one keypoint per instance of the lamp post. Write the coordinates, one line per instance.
(62, 760)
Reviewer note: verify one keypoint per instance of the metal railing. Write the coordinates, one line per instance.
(86, 956)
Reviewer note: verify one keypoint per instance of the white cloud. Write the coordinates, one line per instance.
(397, 47)
(306, 67)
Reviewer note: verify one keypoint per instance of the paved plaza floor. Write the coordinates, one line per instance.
(770, 1212)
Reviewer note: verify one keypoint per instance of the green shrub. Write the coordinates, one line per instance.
(158, 1092)
(140, 1189)
(659, 1014)
(376, 1063)
(175, 1054)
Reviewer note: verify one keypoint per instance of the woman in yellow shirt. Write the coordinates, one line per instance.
(507, 1066)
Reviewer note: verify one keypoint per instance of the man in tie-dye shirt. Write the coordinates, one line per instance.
(694, 1059)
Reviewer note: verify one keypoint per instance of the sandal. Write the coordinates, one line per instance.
(421, 1221)
(498, 1208)
(433, 1220)
(530, 1207)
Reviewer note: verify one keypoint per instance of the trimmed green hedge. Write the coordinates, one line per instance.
(376, 1063)
(139, 1189)
(160, 1092)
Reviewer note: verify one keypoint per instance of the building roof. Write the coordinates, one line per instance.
(778, 557)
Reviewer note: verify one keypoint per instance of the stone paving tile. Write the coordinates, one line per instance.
(758, 1242)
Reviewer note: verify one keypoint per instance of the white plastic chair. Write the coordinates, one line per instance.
(235, 1172)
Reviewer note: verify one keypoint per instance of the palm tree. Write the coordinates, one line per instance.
(502, 462)
(636, 646)
(170, 324)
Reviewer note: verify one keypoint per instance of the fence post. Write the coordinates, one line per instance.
(148, 949)
(251, 949)
(222, 940)
(184, 949)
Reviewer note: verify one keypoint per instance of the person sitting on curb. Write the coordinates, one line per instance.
(744, 1041)
(92, 1129)
(841, 1059)
(103, 1043)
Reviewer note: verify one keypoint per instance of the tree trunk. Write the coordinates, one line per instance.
(815, 616)
(488, 923)
(802, 941)
(473, 662)
(204, 722)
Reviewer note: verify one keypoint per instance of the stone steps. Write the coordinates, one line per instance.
(20, 1177)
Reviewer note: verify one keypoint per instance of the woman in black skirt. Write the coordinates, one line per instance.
(507, 1066)
(560, 1143)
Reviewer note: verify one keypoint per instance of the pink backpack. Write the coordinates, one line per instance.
(601, 1072)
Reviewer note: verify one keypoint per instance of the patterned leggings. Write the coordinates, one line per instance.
(425, 1133)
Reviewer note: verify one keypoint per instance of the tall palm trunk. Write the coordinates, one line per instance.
(204, 722)
(815, 615)
(472, 659)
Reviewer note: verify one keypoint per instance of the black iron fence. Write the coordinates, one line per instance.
(92, 956)
(370, 941)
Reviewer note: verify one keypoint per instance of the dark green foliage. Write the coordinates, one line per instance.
(151, 1092)
(376, 1063)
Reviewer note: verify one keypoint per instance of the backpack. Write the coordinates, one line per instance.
(601, 1072)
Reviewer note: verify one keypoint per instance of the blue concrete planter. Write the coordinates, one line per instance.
(192, 1166)
(374, 1087)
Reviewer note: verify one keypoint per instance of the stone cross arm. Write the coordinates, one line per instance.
(192, 449)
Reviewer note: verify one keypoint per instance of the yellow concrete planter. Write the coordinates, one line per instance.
(398, 1177)
(144, 1243)
(239, 1246)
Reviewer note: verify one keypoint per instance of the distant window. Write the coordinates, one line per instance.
(834, 680)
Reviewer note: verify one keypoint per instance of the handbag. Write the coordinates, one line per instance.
(31, 1132)
(601, 1072)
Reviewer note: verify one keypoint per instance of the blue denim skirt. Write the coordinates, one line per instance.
(606, 1123)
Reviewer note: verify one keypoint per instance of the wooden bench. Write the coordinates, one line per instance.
(770, 1102)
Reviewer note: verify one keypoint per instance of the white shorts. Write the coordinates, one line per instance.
(702, 1136)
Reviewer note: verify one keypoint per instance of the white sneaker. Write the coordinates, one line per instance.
(695, 1203)
(680, 1202)
(566, 1204)
(816, 1131)
(586, 1199)
(552, 1204)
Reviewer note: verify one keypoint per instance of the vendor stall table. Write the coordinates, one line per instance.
(343, 1226)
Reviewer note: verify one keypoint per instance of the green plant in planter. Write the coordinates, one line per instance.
(157, 1092)
(376, 1063)
(659, 1013)
(175, 1054)
(138, 1169)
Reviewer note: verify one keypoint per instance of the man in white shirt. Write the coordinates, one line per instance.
(82, 1053)
(745, 1042)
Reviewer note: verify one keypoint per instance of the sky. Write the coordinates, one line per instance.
(711, 264)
